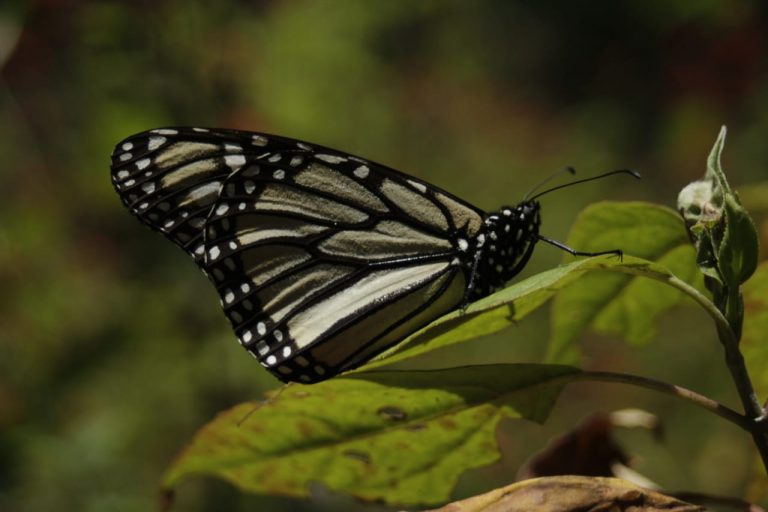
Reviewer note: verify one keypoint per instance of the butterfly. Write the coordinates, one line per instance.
(321, 259)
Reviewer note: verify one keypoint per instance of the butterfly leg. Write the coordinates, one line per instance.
(574, 252)
(472, 279)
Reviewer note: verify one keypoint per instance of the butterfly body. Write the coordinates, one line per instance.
(321, 259)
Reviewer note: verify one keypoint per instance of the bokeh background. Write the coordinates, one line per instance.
(113, 350)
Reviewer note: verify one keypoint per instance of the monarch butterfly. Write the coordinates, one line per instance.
(321, 259)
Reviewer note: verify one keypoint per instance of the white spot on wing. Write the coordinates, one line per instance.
(234, 162)
(166, 131)
(125, 156)
(279, 174)
(127, 146)
(418, 186)
(362, 172)
(155, 142)
(143, 163)
(331, 159)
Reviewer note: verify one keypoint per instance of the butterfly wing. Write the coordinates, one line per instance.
(321, 259)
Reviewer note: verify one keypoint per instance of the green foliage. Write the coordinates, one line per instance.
(754, 341)
(398, 436)
(615, 303)
(723, 233)
(445, 420)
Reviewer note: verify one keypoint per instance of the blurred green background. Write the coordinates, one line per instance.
(113, 350)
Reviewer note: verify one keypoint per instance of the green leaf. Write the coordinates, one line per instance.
(754, 341)
(725, 236)
(615, 303)
(351, 433)
(500, 310)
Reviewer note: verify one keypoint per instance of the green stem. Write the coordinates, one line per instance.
(733, 358)
(670, 389)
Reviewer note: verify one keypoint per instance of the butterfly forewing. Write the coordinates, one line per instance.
(321, 259)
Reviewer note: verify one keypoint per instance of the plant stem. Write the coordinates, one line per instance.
(670, 389)
(736, 365)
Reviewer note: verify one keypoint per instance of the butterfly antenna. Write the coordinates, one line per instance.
(634, 174)
(568, 169)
